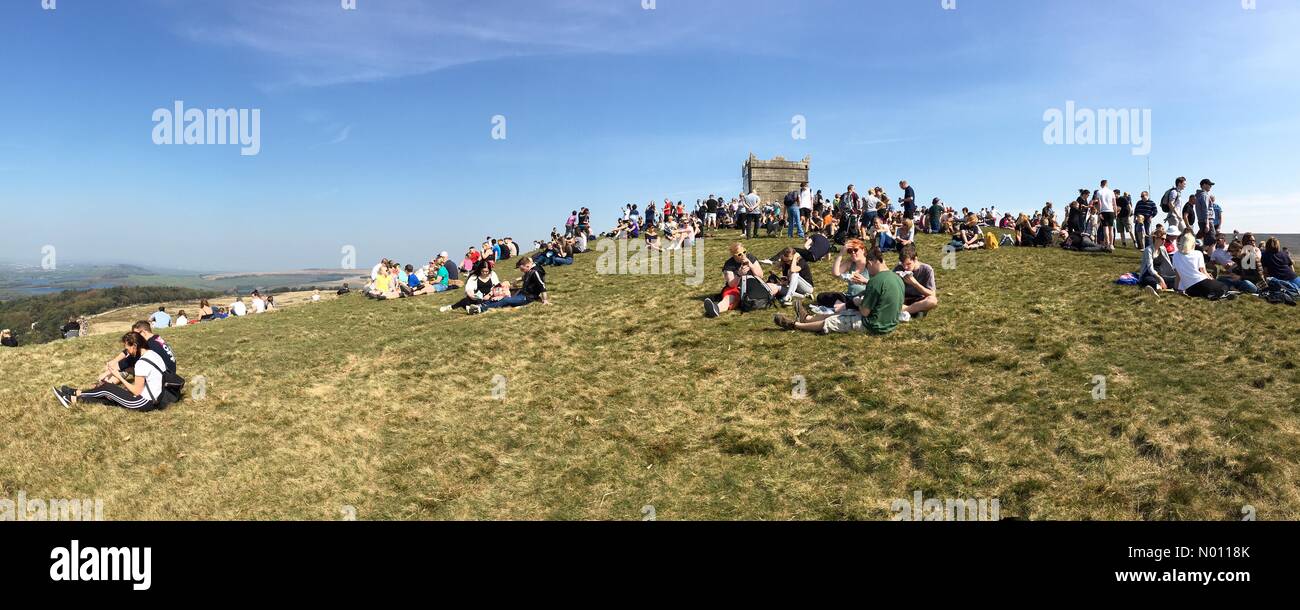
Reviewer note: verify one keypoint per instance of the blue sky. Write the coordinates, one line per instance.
(376, 123)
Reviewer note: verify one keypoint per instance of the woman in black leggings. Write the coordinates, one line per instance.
(140, 394)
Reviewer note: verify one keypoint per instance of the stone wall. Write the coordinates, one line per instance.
(773, 178)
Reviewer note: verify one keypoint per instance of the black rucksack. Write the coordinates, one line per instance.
(173, 386)
(792, 199)
(754, 295)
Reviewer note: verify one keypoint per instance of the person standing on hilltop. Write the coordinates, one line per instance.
(749, 208)
(1104, 200)
(1204, 212)
(805, 208)
(1123, 216)
(1171, 201)
(1144, 211)
(909, 200)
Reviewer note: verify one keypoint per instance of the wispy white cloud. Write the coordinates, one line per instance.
(343, 135)
(319, 43)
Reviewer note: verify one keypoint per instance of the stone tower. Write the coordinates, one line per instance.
(773, 179)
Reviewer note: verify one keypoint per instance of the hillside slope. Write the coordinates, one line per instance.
(621, 396)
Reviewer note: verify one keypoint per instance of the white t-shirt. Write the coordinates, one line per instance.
(805, 199)
(1107, 199)
(153, 383)
(374, 271)
(1189, 269)
(259, 306)
(181, 321)
(239, 308)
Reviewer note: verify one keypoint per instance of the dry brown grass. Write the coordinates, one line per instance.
(622, 396)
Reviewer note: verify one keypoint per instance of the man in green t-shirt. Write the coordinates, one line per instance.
(877, 313)
(936, 215)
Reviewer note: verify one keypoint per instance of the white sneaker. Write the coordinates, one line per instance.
(903, 316)
(445, 308)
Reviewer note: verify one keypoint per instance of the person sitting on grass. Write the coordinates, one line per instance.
(478, 288)
(919, 293)
(7, 339)
(438, 276)
(876, 312)
(385, 285)
(160, 319)
(1193, 279)
(1277, 265)
(205, 311)
(1246, 262)
(906, 234)
(532, 289)
(850, 266)
(796, 279)
(238, 308)
(143, 393)
(882, 233)
(1232, 274)
(652, 237)
(1157, 270)
(969, 236)
(734, 271)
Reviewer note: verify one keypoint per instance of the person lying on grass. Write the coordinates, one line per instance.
(739, 266)
(876, 312)
(142, 393)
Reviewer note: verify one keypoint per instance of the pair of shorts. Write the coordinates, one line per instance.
(1108, 220)
(730, 291)
(851, 321)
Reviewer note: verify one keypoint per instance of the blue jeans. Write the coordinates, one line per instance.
(1245, 286)
(519, 300)
(887, 243)
(1292, 283)
(792, 215)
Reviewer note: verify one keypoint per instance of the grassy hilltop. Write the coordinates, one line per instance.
(621, 396)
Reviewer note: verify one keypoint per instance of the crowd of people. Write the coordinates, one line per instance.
(872, 241)
(477, 275)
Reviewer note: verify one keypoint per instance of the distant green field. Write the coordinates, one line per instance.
(621, 396)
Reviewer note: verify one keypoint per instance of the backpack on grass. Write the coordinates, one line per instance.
(754, 295)
(173, 387)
